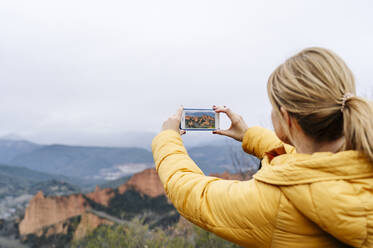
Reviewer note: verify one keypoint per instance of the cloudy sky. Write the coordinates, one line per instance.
(75, 71)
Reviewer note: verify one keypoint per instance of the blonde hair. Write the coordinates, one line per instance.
(312, 87)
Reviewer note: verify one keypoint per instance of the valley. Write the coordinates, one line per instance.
(59, 194)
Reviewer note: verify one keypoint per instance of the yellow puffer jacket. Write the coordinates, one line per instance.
(294, 200)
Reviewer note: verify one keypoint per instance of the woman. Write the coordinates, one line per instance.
(315, 187)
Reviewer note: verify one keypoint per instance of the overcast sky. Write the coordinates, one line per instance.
(72, 70)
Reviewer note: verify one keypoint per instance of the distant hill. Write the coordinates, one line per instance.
(18, 185)
(80, 161)
(89, 165)
(217, 159)
(114, 183)
(211, 159)
(23, 175)
(10, 148)
(15, 180)
(87, 162)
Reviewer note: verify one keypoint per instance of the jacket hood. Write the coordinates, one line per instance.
(297, 168)
(334, 190)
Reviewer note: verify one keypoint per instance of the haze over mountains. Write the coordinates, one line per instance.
(140, 139)
(95, 164)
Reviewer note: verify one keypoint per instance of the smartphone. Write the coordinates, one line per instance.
(194, 119)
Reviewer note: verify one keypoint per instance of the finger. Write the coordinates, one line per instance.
(224, 109)
(179, 112)
(218, 108)
(182, 132)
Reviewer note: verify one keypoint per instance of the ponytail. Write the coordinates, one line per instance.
(317, 88)
(358, 125)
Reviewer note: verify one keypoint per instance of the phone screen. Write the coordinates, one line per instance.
(199, 119)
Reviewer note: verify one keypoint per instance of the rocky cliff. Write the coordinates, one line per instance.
(47, 215)
(101, 196)
(146, 182)
(46, 211)
(88, 223)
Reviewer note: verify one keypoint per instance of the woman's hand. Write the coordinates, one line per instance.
(173, 123)
(238, 126)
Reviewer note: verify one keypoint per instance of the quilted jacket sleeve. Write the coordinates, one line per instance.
(258, 141)
(242, 212)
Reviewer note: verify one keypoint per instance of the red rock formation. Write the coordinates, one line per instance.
(44, 211)
(88, 223)
(101, 196)
(59, 228)
(146, 182)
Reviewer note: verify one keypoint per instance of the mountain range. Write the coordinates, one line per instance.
(11, 148)
(80, 164)
(127, 184)
(141, 139)
(91, 165)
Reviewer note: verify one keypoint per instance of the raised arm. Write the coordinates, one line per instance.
(242, 212)
(258, 141)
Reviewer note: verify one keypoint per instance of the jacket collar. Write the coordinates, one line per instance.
(282, 168)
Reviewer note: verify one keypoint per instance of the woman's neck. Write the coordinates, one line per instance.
(307, 145)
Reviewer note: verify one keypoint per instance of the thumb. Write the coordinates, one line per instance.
(220, 132)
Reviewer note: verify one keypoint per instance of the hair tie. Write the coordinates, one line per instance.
(345, 98)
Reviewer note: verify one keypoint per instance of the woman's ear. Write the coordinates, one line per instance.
(286, 116)
(287, 130)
